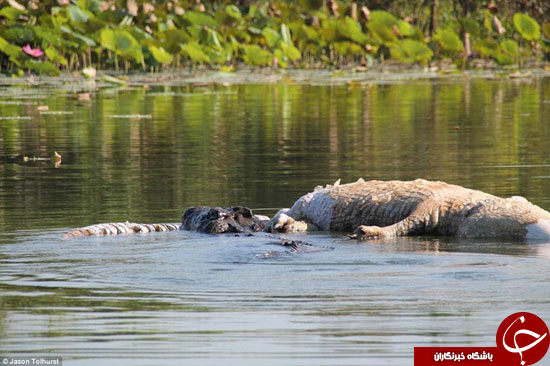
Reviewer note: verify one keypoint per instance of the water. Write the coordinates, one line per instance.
(146, 151)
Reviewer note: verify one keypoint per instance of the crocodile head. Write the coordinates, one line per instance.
(215, 220)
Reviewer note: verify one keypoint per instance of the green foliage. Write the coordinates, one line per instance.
(510, 47)
(486, 47)
(546, 30)
(122, 43)
(160, 55)
(11, 13)
(199, 19)
(14, 53)
(54, 56)
(311, 4)
(233, 12)
(254, 55)
(19, 35)
(271, 36)
(41, 67)
(195, 52)
(448, 40)
(275, 33)
(411, 51)
(471, 26)
(405, 29)
(527, 26)
(77, 14)
(507, 52)
(382, 25)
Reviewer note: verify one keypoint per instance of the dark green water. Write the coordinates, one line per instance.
(185, 297)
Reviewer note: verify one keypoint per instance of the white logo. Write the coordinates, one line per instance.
(518, 349)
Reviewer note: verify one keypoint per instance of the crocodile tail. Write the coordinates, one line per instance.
(119, 228)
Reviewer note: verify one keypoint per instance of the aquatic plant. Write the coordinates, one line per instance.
(52, 35)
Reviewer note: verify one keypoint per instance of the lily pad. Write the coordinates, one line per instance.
(233, 12)
(527, 26)
(254, 55)
(121, 42)
(448, 40)
(411, 51)
(160, 55)
(195, 52)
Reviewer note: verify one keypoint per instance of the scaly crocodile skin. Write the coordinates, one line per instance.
(396, 208)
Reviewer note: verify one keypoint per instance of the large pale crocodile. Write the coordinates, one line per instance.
(383, 209)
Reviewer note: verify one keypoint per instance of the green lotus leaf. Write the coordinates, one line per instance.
(271, 36)
(351, 29)
(509, 47)
(160, 55)
(215, 55)
(112, 16)
(285, 34)
(502, 58)
(90, 5)
(291, 52)
(194, 31)
(486, 47)
(121, 42)
(309, 33)
(11, 13)
(77, 15)
(233, 11)
(448, 40)
(212, 38)
(53, 37)
(19, 35)
(281, 58)
(87, 41)
(329, 30)
(195, 52)
(347, 48)
(112, 80)
(41, 67)
(381, 25)
(13, 52)
(405, 28)
(255, 30)
(200, 19)
(254, 55)
(172, 38)
(55, 56)
(471, 26)
(527, 26)
(546, 30)
(411, 51)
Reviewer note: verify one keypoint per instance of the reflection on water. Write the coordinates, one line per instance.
(147, 153)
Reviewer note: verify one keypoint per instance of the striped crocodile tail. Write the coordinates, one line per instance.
(120, 228)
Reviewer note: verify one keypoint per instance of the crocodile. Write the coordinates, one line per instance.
(387, 209)
(370, 210)
(211, 220)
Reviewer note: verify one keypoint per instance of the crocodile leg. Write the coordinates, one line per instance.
(423, 219)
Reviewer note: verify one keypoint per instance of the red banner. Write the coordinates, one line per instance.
(463, 356)
(522, 340)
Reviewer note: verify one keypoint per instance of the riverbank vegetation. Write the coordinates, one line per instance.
(44, 37)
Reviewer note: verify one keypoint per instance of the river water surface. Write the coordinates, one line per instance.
(146, 151)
